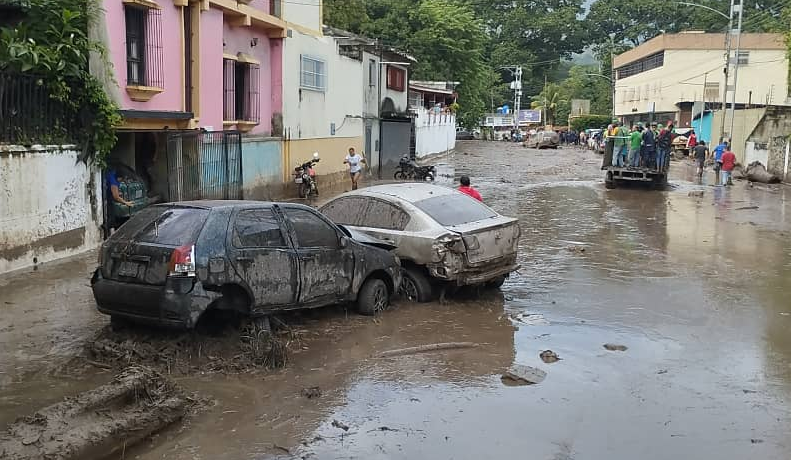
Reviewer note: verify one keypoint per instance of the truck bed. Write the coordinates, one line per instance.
(629, 173)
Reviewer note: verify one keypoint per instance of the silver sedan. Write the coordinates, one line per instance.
(442, 236)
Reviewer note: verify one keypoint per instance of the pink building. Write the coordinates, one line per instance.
(191, 78)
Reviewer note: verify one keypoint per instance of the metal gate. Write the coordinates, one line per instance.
(204, 165)
(395, 144)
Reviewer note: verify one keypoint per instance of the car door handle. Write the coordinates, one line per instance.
(308, 257)
(244, 259)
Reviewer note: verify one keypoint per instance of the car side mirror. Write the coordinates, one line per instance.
(344, 242)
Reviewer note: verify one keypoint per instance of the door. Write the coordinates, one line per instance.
(326, 269)
(264, 259)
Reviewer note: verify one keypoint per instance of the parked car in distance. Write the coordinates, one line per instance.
(171, 263)
(464, 135)
(441, 235)
(543, 140)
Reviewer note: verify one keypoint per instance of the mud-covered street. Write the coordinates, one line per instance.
(692, 290)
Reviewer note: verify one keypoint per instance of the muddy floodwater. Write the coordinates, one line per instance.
(692, 295)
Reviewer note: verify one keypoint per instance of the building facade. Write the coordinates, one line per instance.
(435, 120)
(676, 76)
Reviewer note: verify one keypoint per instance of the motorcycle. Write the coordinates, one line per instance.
(409, 169)
(305, 177)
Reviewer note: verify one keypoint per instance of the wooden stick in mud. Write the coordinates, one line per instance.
(427, 348)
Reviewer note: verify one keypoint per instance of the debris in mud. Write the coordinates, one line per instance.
(235, 350)
(340, 425)
(614, 347)
(523, 375)
(312, 392)
(744, 208)
(661, 371)
(427, 348)
(530, 319)
(696, 193)
(576, 249)
(549, 356)
(98, 422)
(756, 441)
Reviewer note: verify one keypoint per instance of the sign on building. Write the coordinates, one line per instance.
(529, 116)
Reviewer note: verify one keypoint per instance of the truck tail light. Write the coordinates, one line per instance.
(182, 261)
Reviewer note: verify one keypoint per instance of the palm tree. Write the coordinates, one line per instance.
(548, 102)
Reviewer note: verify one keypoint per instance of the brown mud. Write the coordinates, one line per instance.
(98, 422)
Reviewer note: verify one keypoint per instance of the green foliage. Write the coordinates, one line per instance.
(348, 15)
(590, 121)
(53, 43)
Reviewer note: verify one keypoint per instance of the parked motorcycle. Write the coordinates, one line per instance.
(409, 169)
(305, 177)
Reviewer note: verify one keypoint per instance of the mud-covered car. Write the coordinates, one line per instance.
(171, 263)
(543, 140)
(441, 234)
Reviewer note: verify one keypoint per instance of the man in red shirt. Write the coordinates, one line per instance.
(467, 190)
(728, 163)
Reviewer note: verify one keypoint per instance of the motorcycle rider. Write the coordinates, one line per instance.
(355, 170)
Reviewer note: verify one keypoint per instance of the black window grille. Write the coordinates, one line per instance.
(641, 65)
(241, 94)
(144, 66)
(29, 114)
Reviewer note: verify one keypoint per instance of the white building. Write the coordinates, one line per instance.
(435, 122)
(665, 77)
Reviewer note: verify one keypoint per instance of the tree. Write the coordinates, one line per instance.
(348, 15)
(553, 103)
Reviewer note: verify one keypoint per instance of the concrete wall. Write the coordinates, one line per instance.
(211, 51)
(744, 123)
(682, 76)
(332, 151)
(262, 168)
(434, 133)
(51, 205)
(308, 115)
(771, 139)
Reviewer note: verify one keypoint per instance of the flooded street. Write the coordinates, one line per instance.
(695, 288)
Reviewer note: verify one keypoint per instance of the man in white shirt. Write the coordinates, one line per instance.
(355, 170)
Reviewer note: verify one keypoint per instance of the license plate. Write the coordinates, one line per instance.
(298, 180)
(128, 269)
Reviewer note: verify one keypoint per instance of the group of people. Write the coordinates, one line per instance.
(640, 146)
(724, 161)
(570, 137)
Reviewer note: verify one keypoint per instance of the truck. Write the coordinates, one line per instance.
(652, 177)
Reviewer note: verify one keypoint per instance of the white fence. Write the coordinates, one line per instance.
(434, 133)
(50, 205)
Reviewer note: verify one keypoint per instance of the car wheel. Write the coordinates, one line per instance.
(415, 286)
(399, 175)
(496, 283)
(373, 297)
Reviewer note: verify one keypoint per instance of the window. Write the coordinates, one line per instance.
(372, 64)
(415, 99)
(257, 228)
(241, 101)
(711, 91)
(312, 74)
(311, 231)
(454, 209)
(174, 227)
(143, 46)
(275, 7)
(743, 58)
(396, 78)
(388, 216)
(347, 211)
(641, 65)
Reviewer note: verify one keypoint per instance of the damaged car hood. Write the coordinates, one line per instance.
(369, 240)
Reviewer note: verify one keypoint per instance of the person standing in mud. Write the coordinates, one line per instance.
(648, 149)
(468, 190)
(728, 163)
(355, 170)
(635, 142)
(718, 151)
(700, 153)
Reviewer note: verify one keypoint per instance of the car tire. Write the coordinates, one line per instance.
(496, 283)
(373, 297)
(415, 286)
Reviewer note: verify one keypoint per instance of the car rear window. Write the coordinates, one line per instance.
(137, 222)
(454, 209)
(173, 227)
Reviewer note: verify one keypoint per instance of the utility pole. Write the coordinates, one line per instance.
(703, 111)
(517, 86)
(612, 74)
(736, 66)
(725, 70)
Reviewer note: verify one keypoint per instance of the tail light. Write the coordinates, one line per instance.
(471, 242)
(182, 261)
(450, 242)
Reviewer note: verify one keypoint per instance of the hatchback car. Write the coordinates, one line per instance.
(171, 263)
(441, 235)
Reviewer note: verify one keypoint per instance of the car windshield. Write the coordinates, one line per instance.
(454, 209)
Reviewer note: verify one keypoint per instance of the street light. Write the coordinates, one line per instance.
(705, 8)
